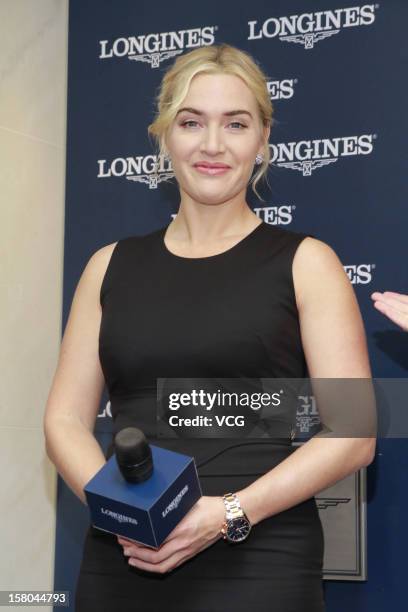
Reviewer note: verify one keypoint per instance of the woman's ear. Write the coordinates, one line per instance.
(164, 143)
(267, 132)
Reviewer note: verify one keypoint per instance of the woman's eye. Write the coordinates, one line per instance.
(188, 123)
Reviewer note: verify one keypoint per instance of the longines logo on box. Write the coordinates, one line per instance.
(120, 518)
(309, 28)
(155, 48)
(308, 155)
(275, 215)
(175, 502)
(149, 169)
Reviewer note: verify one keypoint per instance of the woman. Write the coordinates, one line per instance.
(216, 293)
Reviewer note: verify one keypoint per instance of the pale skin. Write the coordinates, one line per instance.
(393, 305)
(214, 216)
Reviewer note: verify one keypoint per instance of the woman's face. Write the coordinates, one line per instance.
(208, 131)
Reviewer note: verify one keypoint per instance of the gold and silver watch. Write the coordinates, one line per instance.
(236, 527)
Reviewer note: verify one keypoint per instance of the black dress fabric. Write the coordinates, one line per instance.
(229, 315)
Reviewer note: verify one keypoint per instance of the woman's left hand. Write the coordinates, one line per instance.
(197, 530)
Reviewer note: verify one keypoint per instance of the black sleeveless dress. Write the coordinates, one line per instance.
(228, 315)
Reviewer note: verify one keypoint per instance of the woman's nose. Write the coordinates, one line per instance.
(212, 141)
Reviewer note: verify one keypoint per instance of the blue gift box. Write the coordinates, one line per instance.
(148, 511)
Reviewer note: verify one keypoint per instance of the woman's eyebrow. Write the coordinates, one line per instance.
(231, 113)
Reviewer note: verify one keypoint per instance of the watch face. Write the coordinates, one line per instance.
(238, 529)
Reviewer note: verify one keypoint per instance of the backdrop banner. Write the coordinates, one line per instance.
(337, 172)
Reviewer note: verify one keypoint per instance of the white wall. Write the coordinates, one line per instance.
(33, 67)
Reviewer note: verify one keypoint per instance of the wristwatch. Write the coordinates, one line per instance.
(236, 527)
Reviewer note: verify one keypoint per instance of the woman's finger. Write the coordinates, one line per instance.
(386, 295)
(168, 564)
(163, 566)
(400, 297)
(154, 557)
(394, 304)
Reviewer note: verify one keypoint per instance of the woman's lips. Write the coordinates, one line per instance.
(213, 170)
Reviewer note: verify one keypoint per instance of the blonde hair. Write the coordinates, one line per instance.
(214, 59)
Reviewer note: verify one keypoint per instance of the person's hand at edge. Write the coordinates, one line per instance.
(393, 305)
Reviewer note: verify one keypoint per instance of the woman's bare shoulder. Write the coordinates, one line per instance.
(317, 269)
(314, 251)
(98, 262)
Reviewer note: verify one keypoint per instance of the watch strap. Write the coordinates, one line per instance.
(232, 506)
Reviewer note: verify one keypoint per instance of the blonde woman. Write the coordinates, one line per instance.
(215, 293)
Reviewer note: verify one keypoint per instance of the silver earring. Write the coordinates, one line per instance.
(259, 159)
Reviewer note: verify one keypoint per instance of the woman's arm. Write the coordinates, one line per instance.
(335, 347)
(78, 382)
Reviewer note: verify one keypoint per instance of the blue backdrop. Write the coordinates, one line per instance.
(335, 74)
